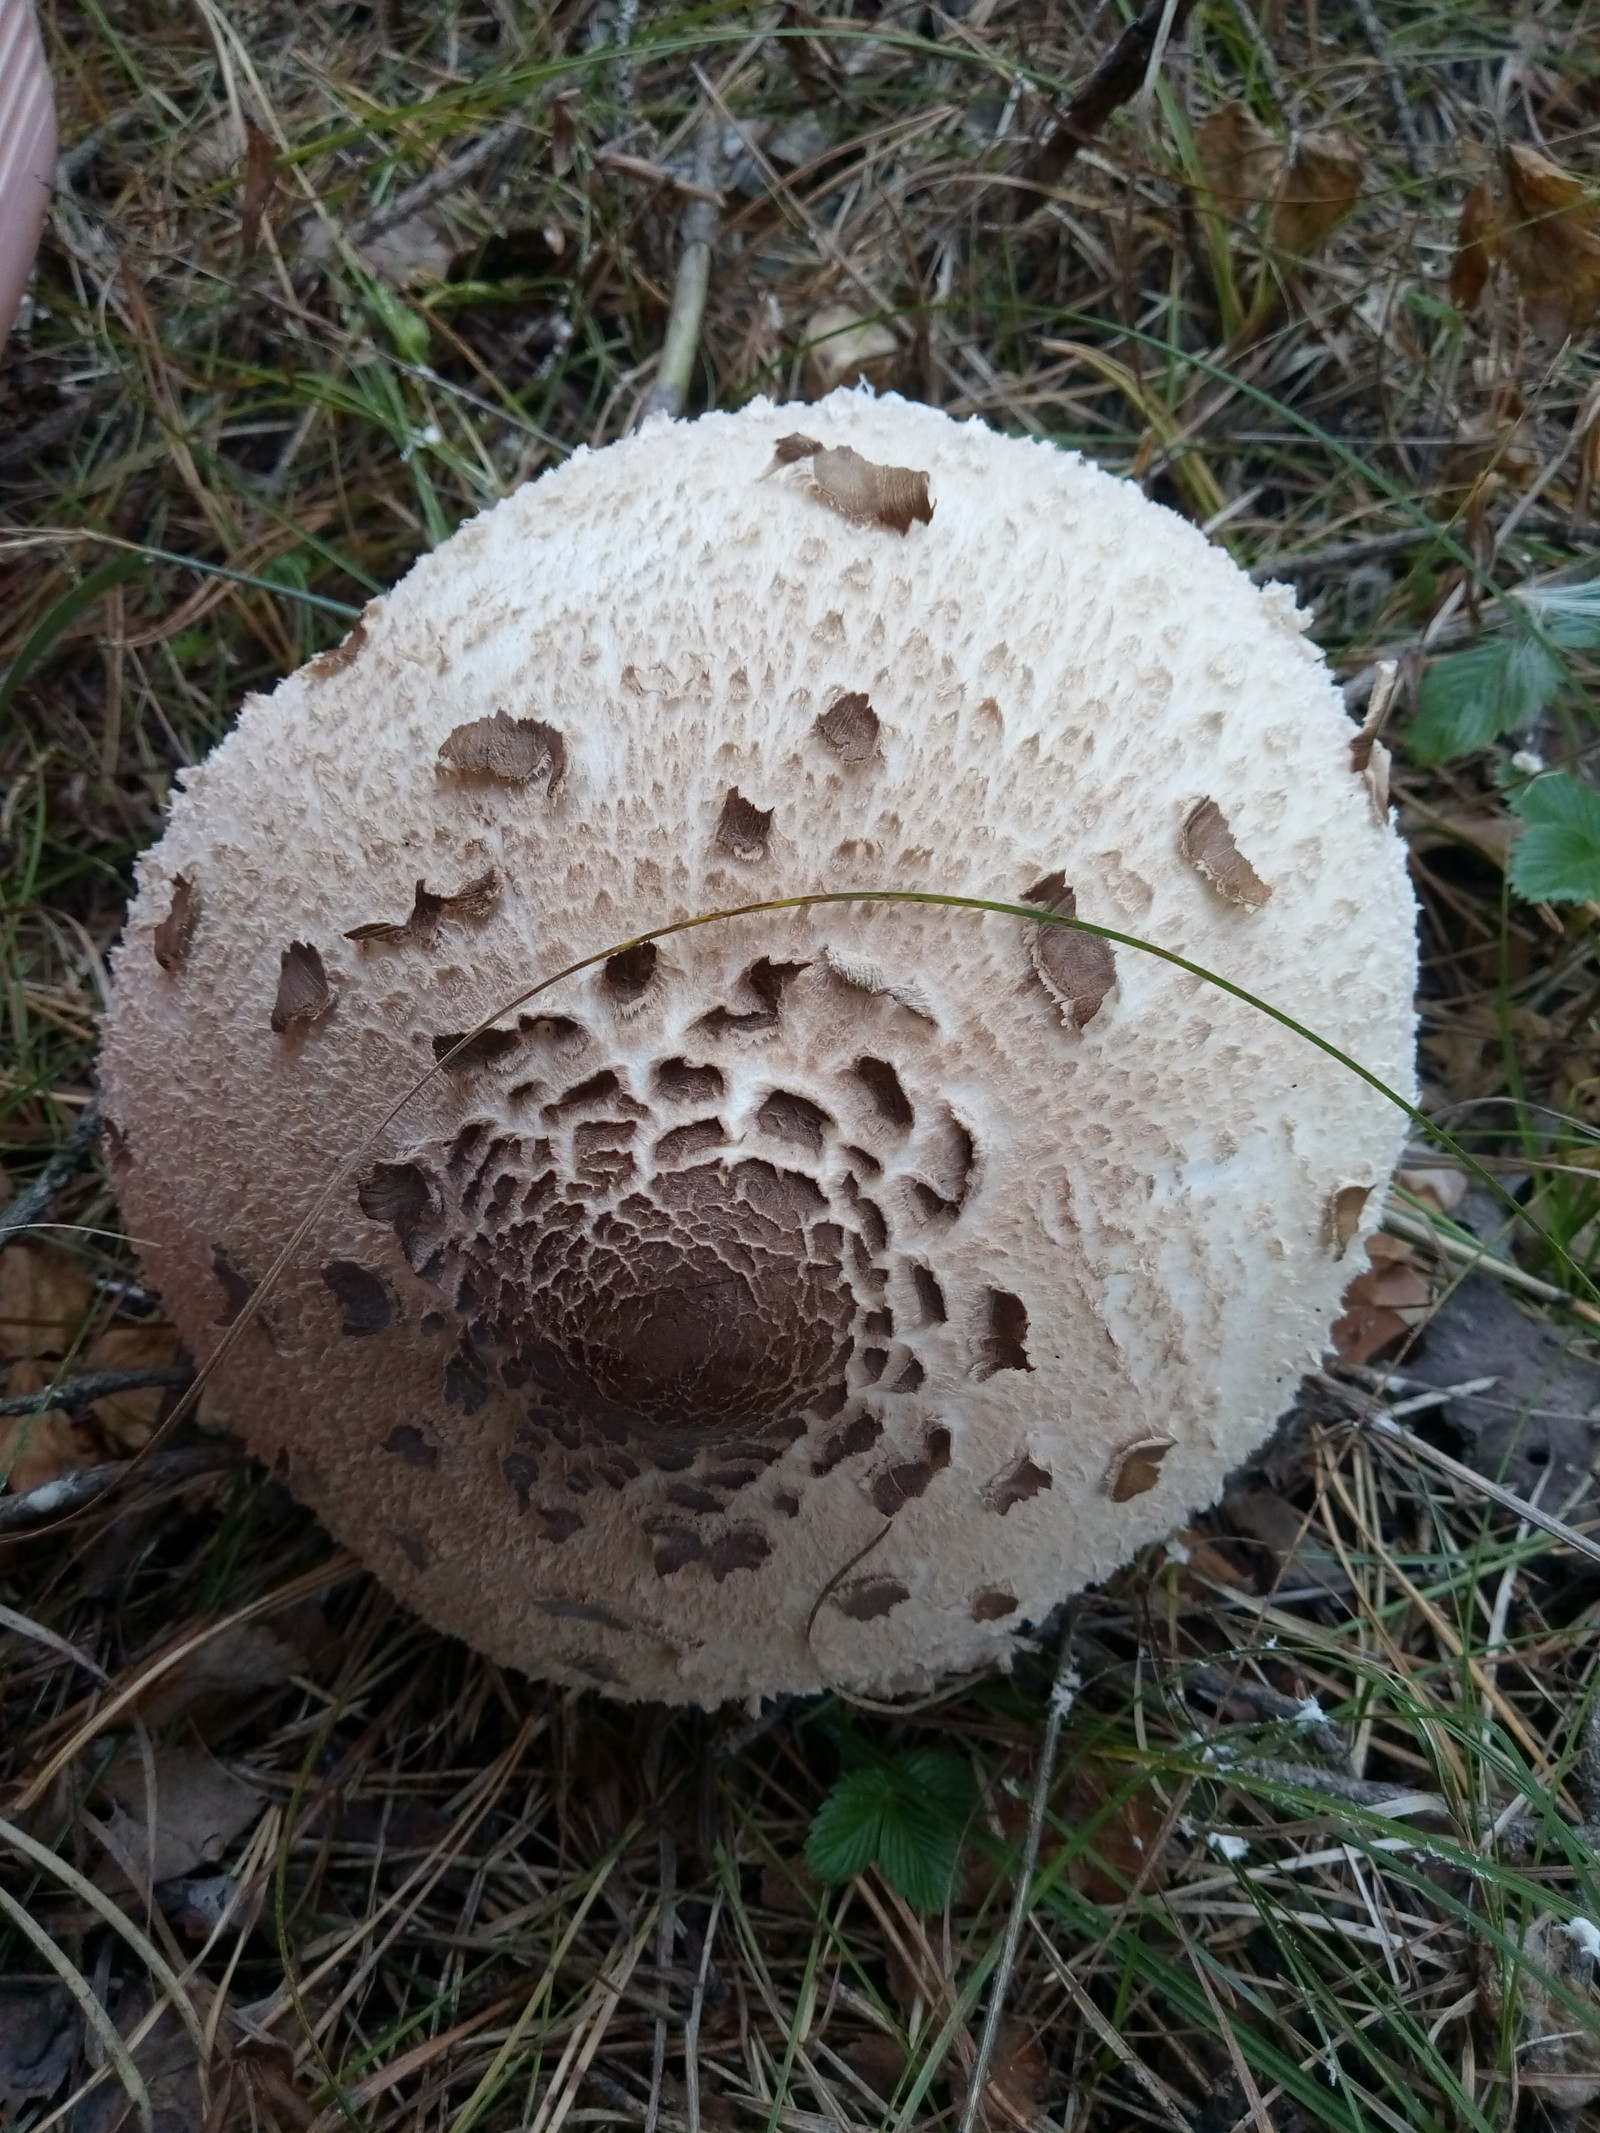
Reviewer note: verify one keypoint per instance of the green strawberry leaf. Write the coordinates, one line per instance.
(906, 1814)
(848, 1826)
(1557, 857)
(1472, 697)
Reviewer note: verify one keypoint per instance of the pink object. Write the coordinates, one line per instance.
(27, 150)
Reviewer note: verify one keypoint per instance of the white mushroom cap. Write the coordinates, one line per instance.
(816, 1297)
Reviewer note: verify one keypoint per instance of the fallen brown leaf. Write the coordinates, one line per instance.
(564, 135)
(1019, 2073)
(415, 251)
(37, 1449)
(128, 1419)
(200, 1808)
(166, 2061)
(847, 349)
(1204, 1562)
(1120, 1849)
(1551, 242)
(1544, 224)
(39, 2036)
(1558, 2060)
(1266, 1516)
(878, 2060)
(1475, 238)
(260, 183)
(1381, 1305)
(1320, 184)
(1440, 1186)
(237, 1662)
(44, 1301)
(1240, 158)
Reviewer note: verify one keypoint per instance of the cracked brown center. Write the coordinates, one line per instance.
(654, 1285)
(708, 1308)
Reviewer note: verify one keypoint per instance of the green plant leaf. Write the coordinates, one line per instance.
(1568, 614)
(406, 328)
(917, 1857)
(945, 1780)
(1472, 697)
(61, 617)
(1557, 858)
(906, 1815)
(845, 1832)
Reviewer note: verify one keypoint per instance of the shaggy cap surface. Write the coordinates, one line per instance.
(814, 1297)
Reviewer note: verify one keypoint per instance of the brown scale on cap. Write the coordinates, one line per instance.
(1019, 1482)
(1136, 1468)
(1209, 848)
(1076, 969)
(858, 488)
(413, 1445)
(514, 751)
(869, 1599)
(817, 1296)
(175, 933)
(429, 909)
(304, 994)
(850, 728)
(743, 828)
(236, 1285)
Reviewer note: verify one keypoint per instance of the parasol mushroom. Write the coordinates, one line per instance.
(812, 1297)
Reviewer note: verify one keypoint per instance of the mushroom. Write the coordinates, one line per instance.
(811, 1297)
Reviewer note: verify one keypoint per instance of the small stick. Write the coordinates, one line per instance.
(1120, 75)
(693, 280)
(1110, 2036)
(1380, 1420)
(70, 1492)
(665, 1929)
(1387, 1430)
(75, 1393)
(33, 1204)
(1264, 54)
(1395, 84)
(1338, 1785)
(1062, 1691)
(1338, 555)
(691, 2028)
(1476, 1259)
(437, 185)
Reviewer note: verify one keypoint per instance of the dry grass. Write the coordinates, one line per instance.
(1328, 1793)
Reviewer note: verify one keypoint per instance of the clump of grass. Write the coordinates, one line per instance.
(1317, 1847)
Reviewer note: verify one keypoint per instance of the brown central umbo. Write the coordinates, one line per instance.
(681, 1318)
(708, 1313)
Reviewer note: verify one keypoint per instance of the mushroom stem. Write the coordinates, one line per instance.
(693, 280)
